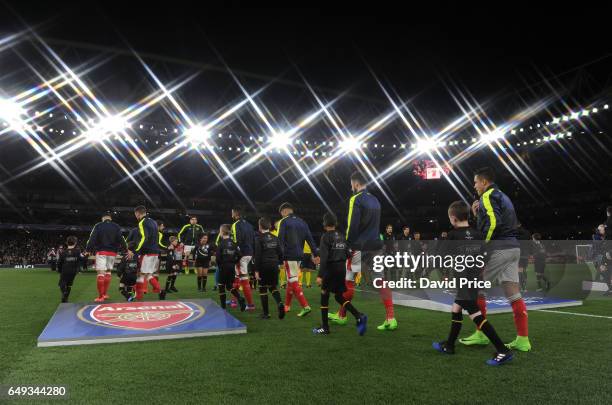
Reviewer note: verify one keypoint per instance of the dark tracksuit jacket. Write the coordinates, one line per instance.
(147, 237)
(496, 220)
(190, 235)
(105, 238)
(363, 222)
(293, 232)
(243, 234)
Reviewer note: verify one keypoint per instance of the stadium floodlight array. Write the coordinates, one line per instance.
(199, 136)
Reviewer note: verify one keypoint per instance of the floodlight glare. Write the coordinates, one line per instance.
(349, 144)
(280, 140)
(196, 134)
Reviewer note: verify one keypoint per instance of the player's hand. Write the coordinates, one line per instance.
(475, 206)
(130, 255)
(316, 260)
(257, 275)
(319, 281)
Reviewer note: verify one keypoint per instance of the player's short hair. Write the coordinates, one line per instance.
(71, 240)
(265, 223)
(406, 227)
(225, 229)
(359, 178)
(388, 225)
(107, 215)
(459, 210)
(141, 209)
(330, 220)
(237, 210)
(486, 173)
(285, 206)
(160, 223)
(537, 236)
(193, 217)
(172, 238)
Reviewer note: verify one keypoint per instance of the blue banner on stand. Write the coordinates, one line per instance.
(76, 324)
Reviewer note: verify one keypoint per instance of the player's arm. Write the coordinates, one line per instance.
(353, 220)
(89, 246)
(160, 241)
(142, 236)
(311, 243)
(121, 242)
(279, 252)
(282, 232)
(234, 233)
(183, 229)
(491, 216)
(324, 253)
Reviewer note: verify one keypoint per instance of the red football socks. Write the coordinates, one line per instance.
(246, 289)
(519, 310)
(100, 282)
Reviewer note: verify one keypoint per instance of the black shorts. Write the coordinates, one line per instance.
(67, 277)
(202, 262)
(307, 263)
(523, 262)
(268, 275)
(128, 278)
(174, 263)
(539, 267)
(467, 293)
(334, 280)
(227, 274)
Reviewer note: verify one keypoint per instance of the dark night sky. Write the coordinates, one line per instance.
(491, 55)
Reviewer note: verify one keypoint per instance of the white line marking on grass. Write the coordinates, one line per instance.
(574, 313)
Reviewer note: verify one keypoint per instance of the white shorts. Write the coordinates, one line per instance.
(353, 265)
(242, 267)
(149, 264)
(104, 262)
(292, 269)
(187, 250)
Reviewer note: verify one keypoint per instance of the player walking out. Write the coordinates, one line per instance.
(243, 234)
(268, 255)
(292, 233)
(104, 241)
(363, 240)
(147, 248)
(68, 265)
(332, 273)
(464, 241)
(189, 235)
(496, 220)
(228, 255)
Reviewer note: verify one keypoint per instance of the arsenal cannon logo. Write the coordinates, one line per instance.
(141, 315)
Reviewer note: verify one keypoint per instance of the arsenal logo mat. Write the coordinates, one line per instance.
(76, 324)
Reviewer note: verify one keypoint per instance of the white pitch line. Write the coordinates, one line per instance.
(574, 313)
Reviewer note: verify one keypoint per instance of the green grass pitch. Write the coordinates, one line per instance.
(282, 362)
